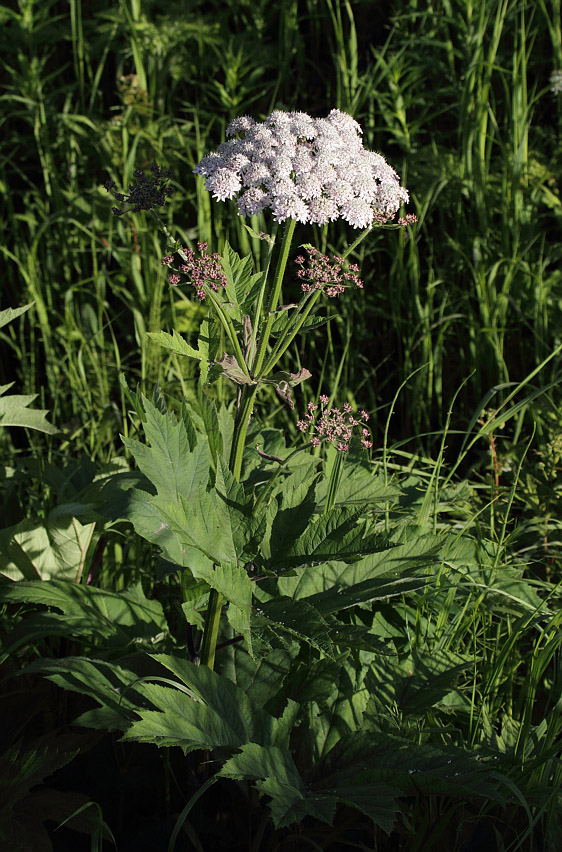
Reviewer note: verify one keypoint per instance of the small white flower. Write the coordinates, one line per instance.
(239, 162)
(344, 122)
(240, 125)
(209, 164)
(308, 186)
(252, 202)
(256, 174)
(357, 212)
(281, 167)
(302, 125)
(304, 160)
(289, 207)
(364, 184)
(223, 184)
(325, 171)
(322, 211)
(278, 119)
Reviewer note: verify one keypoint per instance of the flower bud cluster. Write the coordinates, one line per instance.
(408, 219)
(326, 273)
(334, 425)
(199, 270)
(309, 170)
(148, 192)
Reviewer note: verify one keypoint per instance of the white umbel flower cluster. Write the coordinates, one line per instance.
(306, 169)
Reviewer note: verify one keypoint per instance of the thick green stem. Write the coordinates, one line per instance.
(213, 615)
(211, 629)
(263, 288)
(241, 428)
(275, 293)
(333, 482)
(229, 329)
(245, 408)
(290, 335)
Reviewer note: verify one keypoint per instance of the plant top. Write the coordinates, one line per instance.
(305, 169)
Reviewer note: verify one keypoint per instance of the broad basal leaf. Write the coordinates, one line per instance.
(339, 533)
(56, 549)
(205, 710)
(279, 779)
(83, 612)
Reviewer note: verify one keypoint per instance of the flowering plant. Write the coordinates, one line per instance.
(301, 170)
(283, 564)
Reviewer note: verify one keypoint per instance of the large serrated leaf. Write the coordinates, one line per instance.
(113, 687)
(169, 463)
(9, 314)
(414, 768)
(175, 343)
(377, 801)
(416, 683)
(379, 589)
(153, 523)
(358, 486)
(208, 344)
(241, 289)
(56, 549)
(204, 711)
(290, 800)
(296, 619)
(232, 582)
(260, 679)
(290, 519)
(412, 560)
(202, 522)
(120, 619)
(339, 533)
(210, 423)
(14, 412)
(341, 713)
